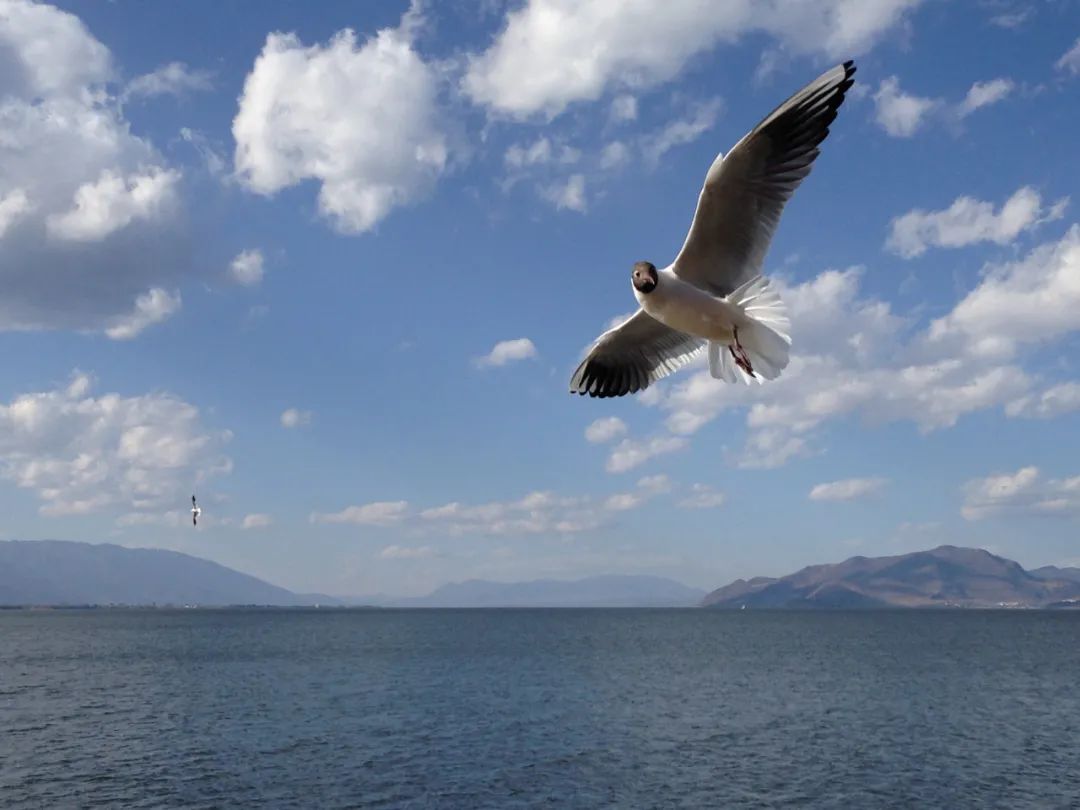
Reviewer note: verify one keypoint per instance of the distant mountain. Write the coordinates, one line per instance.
(1053, 572)
(55, 572)
(603, 591)
(947, 576)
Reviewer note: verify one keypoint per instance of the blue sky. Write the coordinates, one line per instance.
(337, 282)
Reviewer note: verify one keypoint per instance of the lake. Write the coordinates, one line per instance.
(539, 708)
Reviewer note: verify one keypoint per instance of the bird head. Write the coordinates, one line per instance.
(644, 277)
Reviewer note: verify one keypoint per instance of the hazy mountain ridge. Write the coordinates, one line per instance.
(947, 576)
(59, 572)
(598, 591)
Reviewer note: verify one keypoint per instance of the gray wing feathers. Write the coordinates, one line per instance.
(632, 356)
(745, 192)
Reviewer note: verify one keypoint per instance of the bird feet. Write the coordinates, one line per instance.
(742, 360)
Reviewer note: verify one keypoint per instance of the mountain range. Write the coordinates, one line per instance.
(59, 573)
(63, 573)
(946, 576)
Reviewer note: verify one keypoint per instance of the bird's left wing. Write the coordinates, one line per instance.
(745, 192)
(633, 355)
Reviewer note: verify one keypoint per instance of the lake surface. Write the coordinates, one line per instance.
(539, 708)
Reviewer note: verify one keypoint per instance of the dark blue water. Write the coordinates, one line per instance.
(556, 708)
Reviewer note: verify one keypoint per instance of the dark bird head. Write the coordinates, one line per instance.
(644, 277)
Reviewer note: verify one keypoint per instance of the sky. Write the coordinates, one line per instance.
(331, 267)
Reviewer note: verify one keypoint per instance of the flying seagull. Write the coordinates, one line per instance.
(713, 292)
(195, 512)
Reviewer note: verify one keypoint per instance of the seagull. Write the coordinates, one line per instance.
(713, 293)
(195, 512)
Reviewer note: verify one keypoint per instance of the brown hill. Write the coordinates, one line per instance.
(946, 576)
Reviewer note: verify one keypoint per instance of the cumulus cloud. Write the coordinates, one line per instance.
(256, 521)
(702, 496)
(552, 53)
(850, 489)
(362, 119)
(624, 108)
(80, 453)
(247, 268)
(507, 351)
(605, 429)
(1022, 492)
(681, 131)
(1054, 401)
(293, 418)
(567, 194)
(903, 114)
(1033, 299)
(631, 453)
(153, 306)
(1070, 60)
(173, 79)
(852, 359)
(406, 553)
(81, 197)
(380, 513)
(969, 221)
(983, 94)
(900, 114)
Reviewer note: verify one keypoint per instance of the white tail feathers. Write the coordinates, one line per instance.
(764, 337)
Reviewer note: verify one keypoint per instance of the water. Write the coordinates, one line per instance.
(558, 708)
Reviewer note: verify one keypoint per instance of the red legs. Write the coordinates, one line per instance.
(742, 360)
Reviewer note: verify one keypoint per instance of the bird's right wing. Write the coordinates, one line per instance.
(630, 357)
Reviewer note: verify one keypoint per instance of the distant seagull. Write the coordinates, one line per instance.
(195, 512)
(713, 292)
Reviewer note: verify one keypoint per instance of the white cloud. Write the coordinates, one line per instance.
(81, 196)
(703, 496)
(552, 53)
(256, 521)
(247, 268)
(1070, 60)
(13, 205)
(406, 553)
(1035, 298)
(851, 359)
(363, 120)
(79, 453)
(1011, 19)
(631, 453)
(968, 221)
(1054, 401)
(507, 351)
(654, 484)
(567, 194)
(605, 429)
(622, 501)
(682, 131)
(535, 513)
(293, 418)
(614, 155)
(901, 114)
(113, 202)
(380, 513)
(153, 306)
(624, 108)
(540, 152)
(1022, 492)
(983, 94)
(173, 79)
(850, 489)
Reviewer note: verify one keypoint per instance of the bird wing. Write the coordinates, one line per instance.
(744, 193)
(630, 357)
